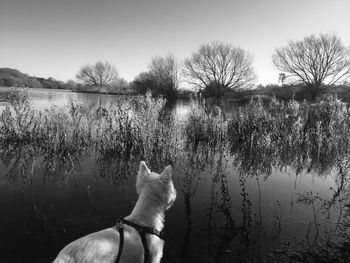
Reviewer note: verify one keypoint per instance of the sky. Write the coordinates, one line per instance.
(54, 38)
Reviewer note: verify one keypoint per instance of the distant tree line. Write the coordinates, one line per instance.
(217, 69)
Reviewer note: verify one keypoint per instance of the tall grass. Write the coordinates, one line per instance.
(18, 120)
(138, 128)
(206, 127)
(290, 133)
(312, 136)
(257, 136)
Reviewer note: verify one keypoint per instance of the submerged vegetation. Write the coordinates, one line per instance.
(134, 128)
(254, 140)
(294, 134)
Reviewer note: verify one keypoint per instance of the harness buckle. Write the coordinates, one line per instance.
(120, 224)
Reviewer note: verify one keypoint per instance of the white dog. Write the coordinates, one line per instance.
(137, 238)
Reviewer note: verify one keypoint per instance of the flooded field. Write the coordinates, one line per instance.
(255, 183)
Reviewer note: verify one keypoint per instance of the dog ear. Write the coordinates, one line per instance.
(141, 175)
(143, 169)
(167, 173)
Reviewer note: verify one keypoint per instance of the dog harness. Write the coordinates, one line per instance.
(143, 230)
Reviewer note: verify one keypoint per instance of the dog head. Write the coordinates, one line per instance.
(157, 185)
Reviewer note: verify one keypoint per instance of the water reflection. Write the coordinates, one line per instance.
(19, 161)
(241, 199)
(230, 232)
(220, 235)
(192, 167)
(115, 171)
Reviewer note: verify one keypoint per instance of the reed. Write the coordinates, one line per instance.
(257, 136)
(205, 126)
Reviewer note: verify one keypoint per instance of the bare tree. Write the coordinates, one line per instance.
(165, 73)
(317, 61)
(99, 74)
(219, 66)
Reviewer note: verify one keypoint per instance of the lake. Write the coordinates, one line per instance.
(233, 204)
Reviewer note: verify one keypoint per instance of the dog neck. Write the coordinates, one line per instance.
(148, 211)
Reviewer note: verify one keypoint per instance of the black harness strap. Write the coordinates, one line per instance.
(142, 230)
(120, 228)
(145, 247)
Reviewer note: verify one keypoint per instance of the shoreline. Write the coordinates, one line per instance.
(131, 94)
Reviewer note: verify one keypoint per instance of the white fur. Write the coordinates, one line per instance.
(156, 194)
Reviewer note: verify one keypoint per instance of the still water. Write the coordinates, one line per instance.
(221, 214)
(44, 98)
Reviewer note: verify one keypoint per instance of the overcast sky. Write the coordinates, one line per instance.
(53, 38)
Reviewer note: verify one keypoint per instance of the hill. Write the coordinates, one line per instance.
(14, 78)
